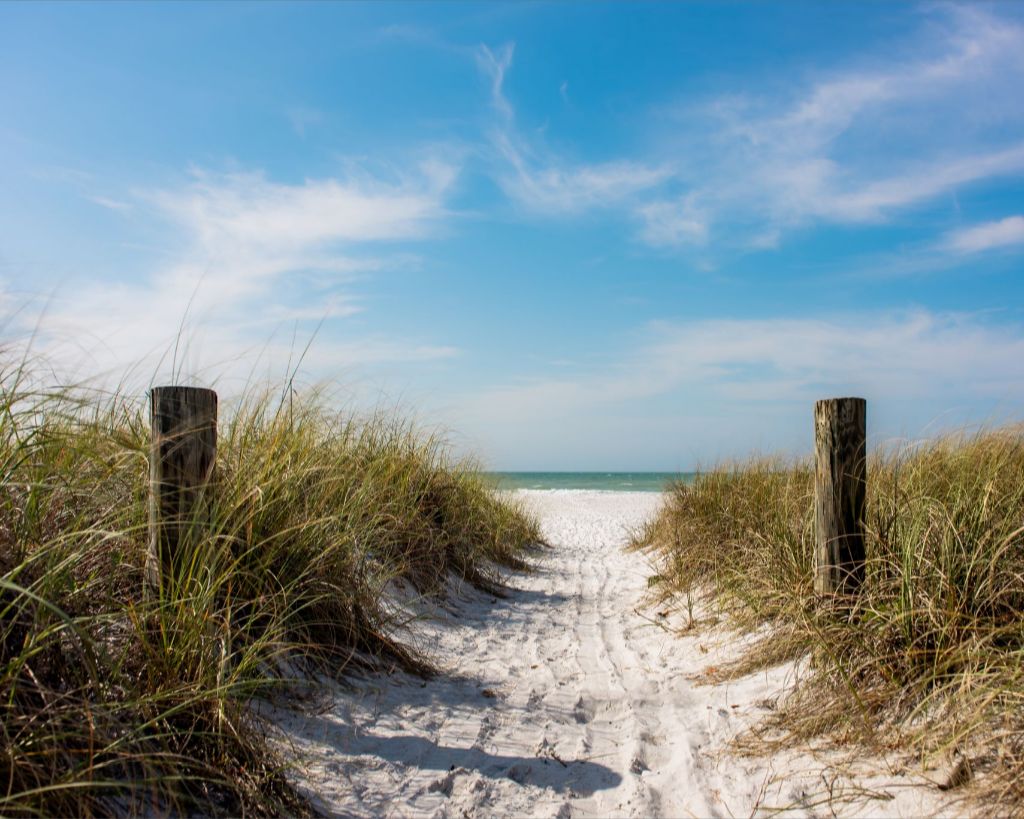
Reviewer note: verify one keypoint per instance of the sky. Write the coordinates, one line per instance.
(575, 236)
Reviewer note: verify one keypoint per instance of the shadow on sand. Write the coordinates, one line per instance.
(582, 777)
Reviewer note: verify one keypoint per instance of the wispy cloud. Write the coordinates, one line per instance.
(255, 256)
(1001, 233)
(110, 204)
(303, 118)
(675, 222)
(737, 362)
(495, 63)
(537, 178)
(551, 186)
(858, 144)
(701, 391)
(248, 210)
(873, 200)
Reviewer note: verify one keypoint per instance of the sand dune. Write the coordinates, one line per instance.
(568, 698)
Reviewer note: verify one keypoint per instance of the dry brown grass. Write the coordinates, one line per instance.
(115, 703)
(929, 658)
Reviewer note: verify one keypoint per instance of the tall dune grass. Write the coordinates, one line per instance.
(117, 701)
(929, 658)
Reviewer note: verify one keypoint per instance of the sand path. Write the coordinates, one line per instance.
(561, 700)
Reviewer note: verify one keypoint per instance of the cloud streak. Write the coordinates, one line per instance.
(247, 210)
(698, 392)
(857, 145)
(256, 256)
(539, 180)
(1003, 233)
(732, 362)
(495, 63)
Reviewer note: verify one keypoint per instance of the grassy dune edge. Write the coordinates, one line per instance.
(118, 702)
(928, 661)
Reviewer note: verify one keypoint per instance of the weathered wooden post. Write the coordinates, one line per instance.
(840, 481)
(183, 449)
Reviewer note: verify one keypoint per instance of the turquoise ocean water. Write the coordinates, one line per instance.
(617, 481)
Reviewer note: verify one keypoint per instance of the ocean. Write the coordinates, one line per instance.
(615, 481)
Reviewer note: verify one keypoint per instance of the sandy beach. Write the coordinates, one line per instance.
(570, 697)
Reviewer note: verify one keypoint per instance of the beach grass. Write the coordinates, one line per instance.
(927, 659)
(118, 700)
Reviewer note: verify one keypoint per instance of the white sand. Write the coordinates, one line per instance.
(567, 699)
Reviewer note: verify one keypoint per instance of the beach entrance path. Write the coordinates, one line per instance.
(567, 698)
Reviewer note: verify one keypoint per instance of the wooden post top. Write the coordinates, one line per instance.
(173, 390)
(174, 407)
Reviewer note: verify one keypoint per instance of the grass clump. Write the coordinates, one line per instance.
(118, 701)
(928, 657)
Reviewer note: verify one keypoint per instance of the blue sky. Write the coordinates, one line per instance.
(580, 236)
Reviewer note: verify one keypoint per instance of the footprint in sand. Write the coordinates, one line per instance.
(583, 711)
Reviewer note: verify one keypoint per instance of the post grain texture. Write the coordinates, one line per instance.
(183, 449)
(840, 483)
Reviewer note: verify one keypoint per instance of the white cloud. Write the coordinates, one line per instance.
(540, 180)
(495, 64)
(255, 257)
(668, 223)
(303, 118)
(248, 211)
(1001, 233)
(135, 333)
(556, 187)
(855, 144)
(701, 391)
(110, 204)
(727, 362)
(874, 199)
(244, 234)
(861, 143)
